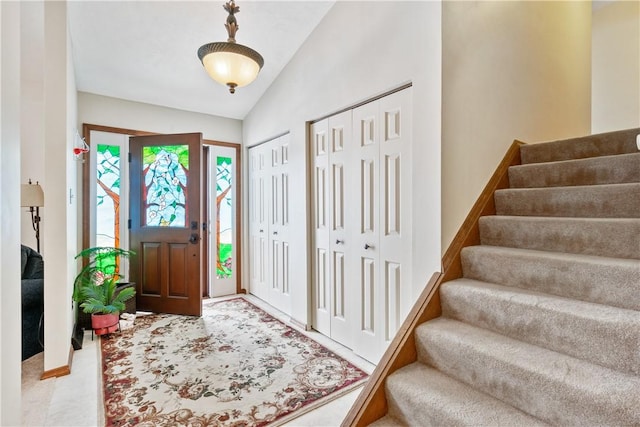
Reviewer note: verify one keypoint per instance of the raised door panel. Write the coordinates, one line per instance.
(179, 261)
(150, 258)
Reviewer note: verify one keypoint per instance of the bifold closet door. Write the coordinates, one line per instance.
(361, 252)
(279, 239)
(341, 208)
(367, 338)
(321, 294)
(269, 238)
(381, 139)
(258, 223)
(333, 284)
(396, 239)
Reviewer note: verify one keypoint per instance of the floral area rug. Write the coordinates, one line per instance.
(234, 366)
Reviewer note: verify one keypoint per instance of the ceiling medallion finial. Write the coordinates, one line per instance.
(230, 63)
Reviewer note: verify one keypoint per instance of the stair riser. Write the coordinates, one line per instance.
(555, 388)
(598, 280)
(605, 144)
(599, 201)
(403, 408)
(421, 396)
(386, 421)
(610, 238)
(600, 170)
(607, 336)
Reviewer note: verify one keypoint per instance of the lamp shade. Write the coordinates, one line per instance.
(31, 195)
(230, 64)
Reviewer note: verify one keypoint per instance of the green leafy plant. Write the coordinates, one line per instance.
(95, 286)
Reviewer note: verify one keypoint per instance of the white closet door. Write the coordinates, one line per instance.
(341, 206)
(367, 338)
(258, 223)
(279, 239)
(395, 219)
(361, 184)
(321, 296)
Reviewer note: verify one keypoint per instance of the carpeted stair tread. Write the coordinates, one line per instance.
(610, 237)
(604, 144)
(422, 396)
(556, 388)
(601, 280)
(615, 169)
(387, 421)
(592, 201)
(608, 336)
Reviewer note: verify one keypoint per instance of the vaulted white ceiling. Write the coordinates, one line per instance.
(145, 51)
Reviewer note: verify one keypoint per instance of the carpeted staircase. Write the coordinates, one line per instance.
(544, 326)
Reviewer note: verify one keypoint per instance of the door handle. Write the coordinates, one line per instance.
(193, 239)
(368, 246)
(275, 233)
(261, 230)
(339, 242)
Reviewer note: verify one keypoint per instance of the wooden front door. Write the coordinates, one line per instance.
(166, 222)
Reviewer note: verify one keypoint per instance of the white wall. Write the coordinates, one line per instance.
(59, 186)
(74, 174)
(10, 289)
(114, 112)
(511, 70)
(360, 49)
(616, 67)
(32, 108)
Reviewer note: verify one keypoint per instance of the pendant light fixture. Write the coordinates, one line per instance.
(230, 63)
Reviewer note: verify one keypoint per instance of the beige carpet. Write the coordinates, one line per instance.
(37, 394)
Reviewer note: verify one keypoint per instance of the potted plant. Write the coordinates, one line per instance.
(95, 288)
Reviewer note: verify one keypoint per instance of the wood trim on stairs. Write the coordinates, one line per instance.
(469, 232)
(371, 404)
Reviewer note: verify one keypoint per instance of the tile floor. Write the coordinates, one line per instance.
(76, 399)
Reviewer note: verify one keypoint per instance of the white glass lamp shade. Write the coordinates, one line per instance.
(31, 195)
(230, 64)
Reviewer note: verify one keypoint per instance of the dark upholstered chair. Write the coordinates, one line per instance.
(32, 301)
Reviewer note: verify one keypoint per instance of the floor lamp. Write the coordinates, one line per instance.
(32, 196)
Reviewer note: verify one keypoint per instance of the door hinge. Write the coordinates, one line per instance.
(129, 224)
(129, 156)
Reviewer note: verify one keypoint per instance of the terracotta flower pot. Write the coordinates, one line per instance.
(105, 323)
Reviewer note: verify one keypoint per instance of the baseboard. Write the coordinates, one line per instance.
(299, 324)
(60, 371)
